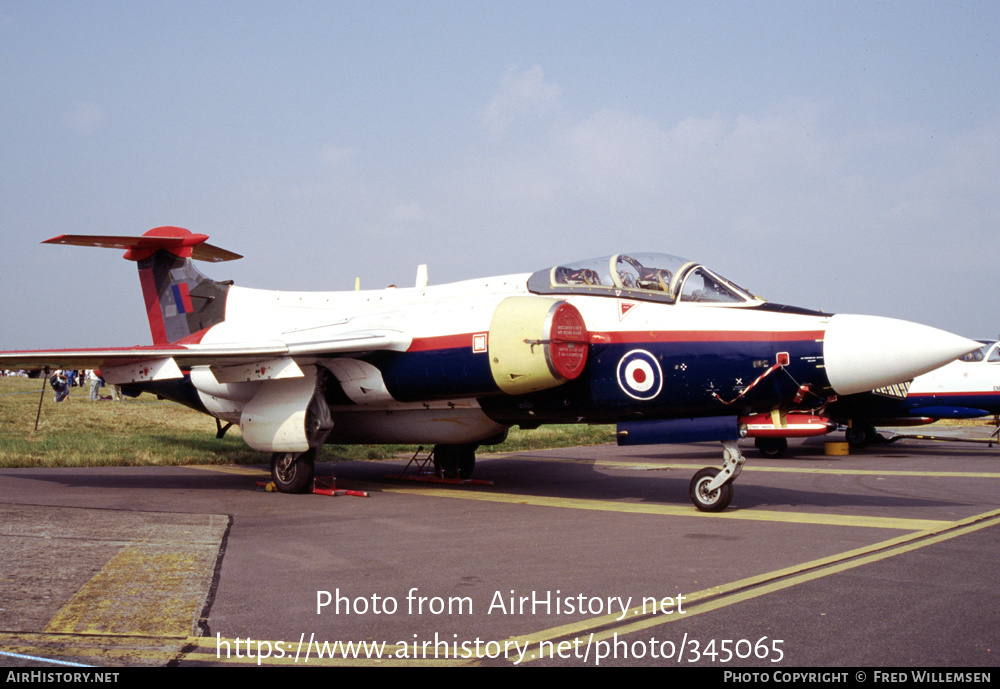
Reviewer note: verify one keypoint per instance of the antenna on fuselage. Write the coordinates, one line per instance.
(421, 275)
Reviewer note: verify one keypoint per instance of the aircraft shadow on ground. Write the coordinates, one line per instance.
(634, 477)
(588, 479)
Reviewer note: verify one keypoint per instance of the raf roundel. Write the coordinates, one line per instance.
(639, 375)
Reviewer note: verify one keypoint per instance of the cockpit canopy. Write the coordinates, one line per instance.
(654, 277)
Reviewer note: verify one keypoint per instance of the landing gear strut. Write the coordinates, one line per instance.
(711, 489)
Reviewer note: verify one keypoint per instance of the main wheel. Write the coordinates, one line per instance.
(706, 501)
(455, 461)
(293, 472)
(466, 461)
(861, 435)
(775, 448)
(445, 461)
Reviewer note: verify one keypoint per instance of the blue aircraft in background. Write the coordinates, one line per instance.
(967, 388)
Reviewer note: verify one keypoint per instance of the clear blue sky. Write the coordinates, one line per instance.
(834, 155)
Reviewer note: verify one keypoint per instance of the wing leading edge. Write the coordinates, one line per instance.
(159, 362)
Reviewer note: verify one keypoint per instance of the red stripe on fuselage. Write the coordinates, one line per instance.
(424, 344)
(964, 393)
(637, 337)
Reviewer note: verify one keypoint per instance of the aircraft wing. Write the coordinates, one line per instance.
(160, 362)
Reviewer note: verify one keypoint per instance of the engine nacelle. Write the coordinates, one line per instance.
(536, 343)
(287, 415)
(205, 381)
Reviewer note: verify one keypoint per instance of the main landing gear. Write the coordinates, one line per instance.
(293, 472)
(773, 448)
(455, 461)
(861, 435)
(711, 489)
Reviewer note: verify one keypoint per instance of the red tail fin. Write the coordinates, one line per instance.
(180, 301)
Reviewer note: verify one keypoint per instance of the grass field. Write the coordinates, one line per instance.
(146, 432)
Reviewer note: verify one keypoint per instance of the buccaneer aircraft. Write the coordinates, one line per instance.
(666, 348)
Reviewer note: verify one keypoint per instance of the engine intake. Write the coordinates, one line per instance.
(536, 343)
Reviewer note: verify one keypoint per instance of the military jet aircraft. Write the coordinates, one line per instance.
(666, 348)
(966, 388)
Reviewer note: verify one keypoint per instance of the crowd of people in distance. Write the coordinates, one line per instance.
(61, 382)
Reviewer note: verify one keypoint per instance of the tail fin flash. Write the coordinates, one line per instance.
(180, 301)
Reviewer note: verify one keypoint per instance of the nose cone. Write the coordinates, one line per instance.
(862, 353)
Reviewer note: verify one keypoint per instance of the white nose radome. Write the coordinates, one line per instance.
(862, 353)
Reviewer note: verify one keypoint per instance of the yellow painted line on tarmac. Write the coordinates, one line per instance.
(875, 472)
(872, 472)
(609, 626)
(139, 650)
(97, 649)
(309, 651)
(159, 651)
(680, 510)
(653, 465)
(249, 470)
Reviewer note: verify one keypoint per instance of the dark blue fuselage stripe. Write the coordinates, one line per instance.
(691, 372)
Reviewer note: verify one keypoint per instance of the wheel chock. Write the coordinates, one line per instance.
(321, 486)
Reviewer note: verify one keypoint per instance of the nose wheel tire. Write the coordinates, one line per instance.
(293, 472)
(710, 501)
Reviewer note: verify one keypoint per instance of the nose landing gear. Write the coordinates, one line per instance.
(711, 489)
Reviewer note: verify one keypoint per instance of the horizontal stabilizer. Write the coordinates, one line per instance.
(176, 240)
